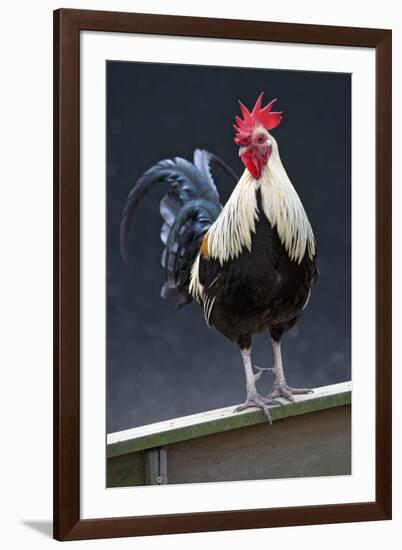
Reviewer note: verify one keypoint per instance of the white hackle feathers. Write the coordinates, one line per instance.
(283, 208)
(232, 230)
(208, 304)
(196, 289)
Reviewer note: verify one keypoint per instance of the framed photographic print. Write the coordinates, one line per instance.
(222, 238)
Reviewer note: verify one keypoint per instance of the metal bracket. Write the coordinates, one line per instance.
(156, 466)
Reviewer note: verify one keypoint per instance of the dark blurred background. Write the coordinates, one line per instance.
(163, 363)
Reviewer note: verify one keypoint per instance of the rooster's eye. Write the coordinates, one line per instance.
(260, 139)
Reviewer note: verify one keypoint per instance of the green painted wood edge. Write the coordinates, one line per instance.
(228, 423)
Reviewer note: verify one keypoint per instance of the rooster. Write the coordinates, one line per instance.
(250, 264)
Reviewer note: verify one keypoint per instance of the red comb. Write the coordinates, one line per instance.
(244, 127)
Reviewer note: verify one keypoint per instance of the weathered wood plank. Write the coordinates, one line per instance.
(311, 445)
(126, 470)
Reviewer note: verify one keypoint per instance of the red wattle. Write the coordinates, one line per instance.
(252, 165)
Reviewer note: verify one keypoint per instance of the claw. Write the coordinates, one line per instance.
(283, 390)
(259, 402)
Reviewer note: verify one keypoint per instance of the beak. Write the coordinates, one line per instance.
(242, 150)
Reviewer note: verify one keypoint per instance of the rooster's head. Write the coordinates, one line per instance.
(252, 135)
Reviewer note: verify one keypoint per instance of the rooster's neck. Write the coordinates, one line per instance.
(283, 208)
(232, 231)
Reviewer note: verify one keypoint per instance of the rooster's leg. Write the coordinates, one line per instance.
(254, 399)
(280, 387)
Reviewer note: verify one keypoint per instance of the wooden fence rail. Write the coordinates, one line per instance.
(310, 437)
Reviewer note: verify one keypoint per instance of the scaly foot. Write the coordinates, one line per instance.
(257, 400)
(283, 390)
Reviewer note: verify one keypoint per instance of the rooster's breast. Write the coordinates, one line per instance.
(260, 289)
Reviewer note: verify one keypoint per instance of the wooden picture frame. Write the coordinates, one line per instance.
(67, 26)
